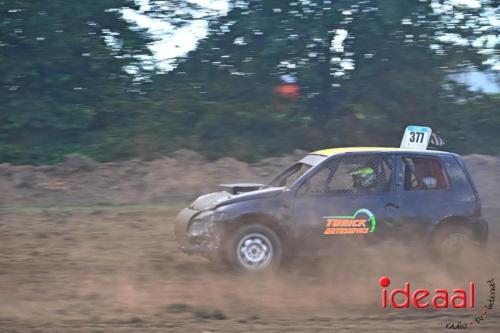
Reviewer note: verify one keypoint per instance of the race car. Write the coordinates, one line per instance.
(331, 196)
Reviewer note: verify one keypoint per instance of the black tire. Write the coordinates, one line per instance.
(453, 242)
(254, 249)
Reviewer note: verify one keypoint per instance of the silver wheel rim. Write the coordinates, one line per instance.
(255, 251)
(454, 243)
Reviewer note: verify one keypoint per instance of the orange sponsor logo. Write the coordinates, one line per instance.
(330, 223)
(345, 226)
(349, 225)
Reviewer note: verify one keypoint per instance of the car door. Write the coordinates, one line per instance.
(424, 191)
(351, 197)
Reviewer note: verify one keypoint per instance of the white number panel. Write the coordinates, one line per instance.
(416, 137)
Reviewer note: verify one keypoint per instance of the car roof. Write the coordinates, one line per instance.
(335, 151)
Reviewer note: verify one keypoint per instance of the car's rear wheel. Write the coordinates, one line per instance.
(254, 248)
(453, 241)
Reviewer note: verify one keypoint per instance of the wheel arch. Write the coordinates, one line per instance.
(453, 221)
(263, 219)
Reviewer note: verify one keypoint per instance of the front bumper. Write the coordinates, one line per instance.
(206, 244)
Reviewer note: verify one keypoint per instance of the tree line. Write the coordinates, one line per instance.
(280, 76)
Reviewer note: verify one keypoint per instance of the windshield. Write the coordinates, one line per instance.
(295, 171)
(290, 175)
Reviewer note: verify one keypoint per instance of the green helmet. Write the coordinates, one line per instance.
(363, 177)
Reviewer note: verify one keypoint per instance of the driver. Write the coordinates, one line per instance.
(363, 178)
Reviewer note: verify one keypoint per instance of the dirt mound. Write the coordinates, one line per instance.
(80, 181)
(486, 173)
(180, 177)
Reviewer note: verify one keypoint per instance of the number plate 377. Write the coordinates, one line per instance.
(416, 137)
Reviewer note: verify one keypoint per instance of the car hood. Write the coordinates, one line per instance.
(221, 198)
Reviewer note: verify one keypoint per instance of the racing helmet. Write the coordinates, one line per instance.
(363, 177)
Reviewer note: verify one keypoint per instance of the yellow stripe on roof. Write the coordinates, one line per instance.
(333, 151)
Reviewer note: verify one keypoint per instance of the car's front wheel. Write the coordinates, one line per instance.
(254, 248)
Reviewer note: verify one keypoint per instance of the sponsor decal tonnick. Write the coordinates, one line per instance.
(361, 222)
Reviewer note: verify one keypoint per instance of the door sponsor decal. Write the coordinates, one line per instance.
(361, 222)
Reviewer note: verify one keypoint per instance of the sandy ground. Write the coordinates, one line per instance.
(117, 269)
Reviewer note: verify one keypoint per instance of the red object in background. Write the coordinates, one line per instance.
(289, 90)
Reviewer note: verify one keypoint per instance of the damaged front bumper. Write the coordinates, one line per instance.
(198, 232)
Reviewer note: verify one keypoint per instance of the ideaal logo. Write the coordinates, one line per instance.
(439, 299)
(355, 224)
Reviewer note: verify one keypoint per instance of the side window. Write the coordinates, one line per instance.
(424, 173)
(352, 174)
(318, 182)
(458, 179)
(362, 174)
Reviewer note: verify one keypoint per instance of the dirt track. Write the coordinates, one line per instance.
(94, 262)
(116, 269)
